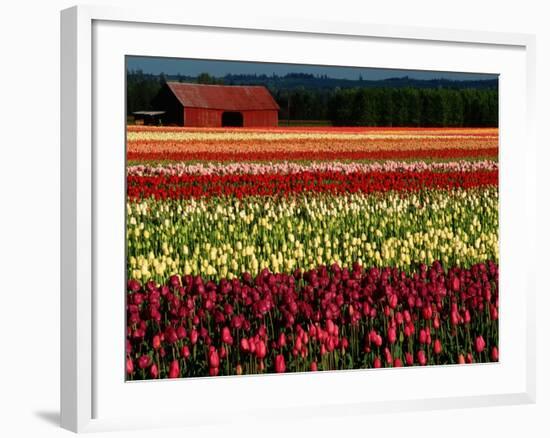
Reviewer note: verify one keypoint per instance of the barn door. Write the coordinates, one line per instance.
(232, 118)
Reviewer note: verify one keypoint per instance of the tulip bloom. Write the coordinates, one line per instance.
(454, 318)
(226, 336)
(129, 366)
(280, 366)
(214, 358)
(421, 357)
(260, 350)
(144, 362)
(245, 346)
(479, 344)
(154, 371)
(422, 337)
(392, 335)
(282, 340)
(185, 352)
(437, 346)
(174, 371)
(494, 354)
(313, 366)
(156, 342)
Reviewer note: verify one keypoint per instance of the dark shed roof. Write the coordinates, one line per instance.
(223, 97)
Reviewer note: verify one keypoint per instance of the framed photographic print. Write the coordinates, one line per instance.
(272, 215)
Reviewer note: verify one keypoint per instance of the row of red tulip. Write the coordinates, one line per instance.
(239, 185)
(313, 155)
(323, 319)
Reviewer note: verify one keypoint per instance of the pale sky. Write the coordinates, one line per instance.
(193, 67)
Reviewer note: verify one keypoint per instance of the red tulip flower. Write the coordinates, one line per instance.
(171, 335)
(185, 352)
(156, 342)
(282, 340)
(181, 332)
(467, 317)
(213, 358)
(260, 350)
(313, 366)
(494, 354)
(174, 371)
(144, 362)
(422, 338)
(377, 362)
(437, 346)
(154, 371)
(494, 313)
(397, 363)
(226, 336)
(409, 359)
(245, 346)
(421, 357)
(194, 337)
(461, 359)
(330, 326)
(480, 344)
(392, 335)
(129, 366)
(427, 312)
(454, 318)
(280, 366)
(375, 338)
(388, 356)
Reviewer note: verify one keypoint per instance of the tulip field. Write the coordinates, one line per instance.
(310, 249)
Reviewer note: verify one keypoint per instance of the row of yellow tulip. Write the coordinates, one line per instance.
(224, 237)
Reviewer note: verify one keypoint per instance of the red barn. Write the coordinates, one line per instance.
(217, 105)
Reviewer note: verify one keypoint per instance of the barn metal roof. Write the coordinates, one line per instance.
(224, 97)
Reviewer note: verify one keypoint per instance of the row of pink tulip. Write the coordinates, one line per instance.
(179, 168)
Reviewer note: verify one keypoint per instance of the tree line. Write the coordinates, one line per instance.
(413, 107)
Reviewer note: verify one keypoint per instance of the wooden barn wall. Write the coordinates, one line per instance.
(212, 118)
(207, 118)
(260, 118)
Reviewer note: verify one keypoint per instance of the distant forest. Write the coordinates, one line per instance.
(344, 102)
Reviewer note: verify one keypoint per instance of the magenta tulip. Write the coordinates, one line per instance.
(479, 344)
(174, 371)
(280, 366)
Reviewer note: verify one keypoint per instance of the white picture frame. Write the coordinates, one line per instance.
(92, 42)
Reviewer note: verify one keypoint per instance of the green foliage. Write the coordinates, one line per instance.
(413, 107)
